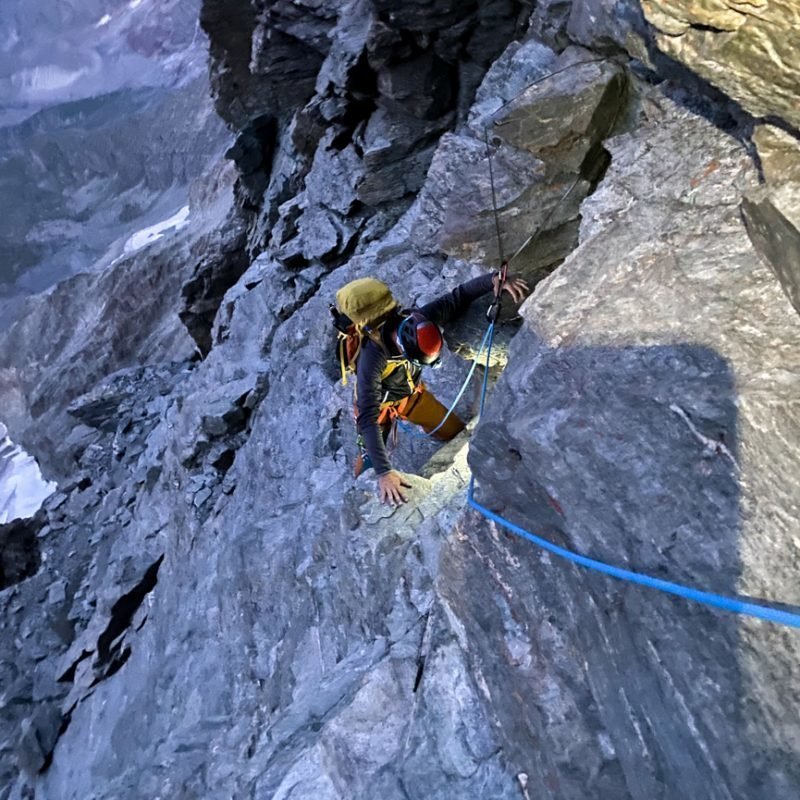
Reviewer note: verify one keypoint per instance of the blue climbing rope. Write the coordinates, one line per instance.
(765, 612)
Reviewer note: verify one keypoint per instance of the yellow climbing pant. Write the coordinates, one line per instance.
(423, 409)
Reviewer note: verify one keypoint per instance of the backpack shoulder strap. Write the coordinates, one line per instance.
(351, 343)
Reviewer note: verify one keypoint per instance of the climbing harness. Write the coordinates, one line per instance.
(420, 435)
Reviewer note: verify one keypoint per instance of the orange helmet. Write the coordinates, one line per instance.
(420, 339)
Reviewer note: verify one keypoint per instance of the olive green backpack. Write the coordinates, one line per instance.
(362, 306)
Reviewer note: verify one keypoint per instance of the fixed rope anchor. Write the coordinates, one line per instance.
(494, 309)
(497, 301)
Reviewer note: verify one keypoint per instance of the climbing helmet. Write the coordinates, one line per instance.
(420, 339)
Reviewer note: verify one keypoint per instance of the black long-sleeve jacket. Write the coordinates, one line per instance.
(371, 391)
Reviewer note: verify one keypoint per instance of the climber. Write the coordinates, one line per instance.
(393, 351)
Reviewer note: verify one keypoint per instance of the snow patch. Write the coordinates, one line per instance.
(22, 488)
(48, 78)
(134, 3)
(12, 37)
(104, 20)
(149, 235)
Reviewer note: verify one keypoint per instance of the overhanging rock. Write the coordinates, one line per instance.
(750, 51)
(566, 114)
(545, 150)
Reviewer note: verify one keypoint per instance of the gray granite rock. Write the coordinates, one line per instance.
(549, 22)
(532, 148)
(20, 550)
(38, 735)
(568, 113)
(385, 88)
(600, 26)
(458, 200)
(645, 419)
(222, 611)
(772, 216)
(520, 64)
(778, 152)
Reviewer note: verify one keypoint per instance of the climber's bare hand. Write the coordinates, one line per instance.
(516, 286)
(389, 488)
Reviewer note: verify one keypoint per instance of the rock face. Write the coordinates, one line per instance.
(100, 136)
(47, 358)
(549, 152)
(212, 607)
(750, 52)
(772, 215)
(338, 109)
(639, 422)
(20, 551)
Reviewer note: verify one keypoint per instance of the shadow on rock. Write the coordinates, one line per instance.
(627, 455)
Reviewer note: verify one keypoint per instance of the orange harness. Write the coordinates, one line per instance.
(394, 410)
(399, 409)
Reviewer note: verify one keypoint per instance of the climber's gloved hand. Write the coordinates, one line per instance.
(516, 286)
(389, 486)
